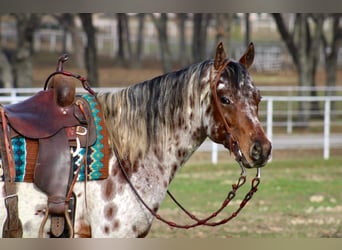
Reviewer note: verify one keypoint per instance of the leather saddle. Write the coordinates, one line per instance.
(58, 120)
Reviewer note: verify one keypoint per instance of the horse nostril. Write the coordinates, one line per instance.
(256, 151)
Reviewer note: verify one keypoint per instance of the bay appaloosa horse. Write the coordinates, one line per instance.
(154, 127)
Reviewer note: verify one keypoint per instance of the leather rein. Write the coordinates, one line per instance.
(233, 147)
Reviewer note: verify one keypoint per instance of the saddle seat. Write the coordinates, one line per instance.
(48, 111)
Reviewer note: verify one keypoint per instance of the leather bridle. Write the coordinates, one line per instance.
(233, 144)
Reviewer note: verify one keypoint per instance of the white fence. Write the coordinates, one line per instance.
(327, 100)
(269, 112)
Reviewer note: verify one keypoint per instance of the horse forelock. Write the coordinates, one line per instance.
(240, 77)
(151, 112)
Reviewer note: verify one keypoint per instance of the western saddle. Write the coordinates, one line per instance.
(58, 120)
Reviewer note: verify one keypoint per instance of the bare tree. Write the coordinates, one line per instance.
(182, 55)
(303, 43)
(247, 29)
(165, 53)
(6, 77)
(330, 49)
(124, 54)
(67, 21)
(140, 40)
(224, 23)
(90, 55)
(199, 42)
(22, 63)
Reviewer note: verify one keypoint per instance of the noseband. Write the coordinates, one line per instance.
(233, 147)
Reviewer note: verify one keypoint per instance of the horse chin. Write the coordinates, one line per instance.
(242, 160)
(248, 164)
(245, 163)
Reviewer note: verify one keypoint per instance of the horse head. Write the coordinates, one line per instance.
(232, 113)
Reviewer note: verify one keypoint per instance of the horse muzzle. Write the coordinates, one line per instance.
(260, 153)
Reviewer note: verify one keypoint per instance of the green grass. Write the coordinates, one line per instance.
(296, 198)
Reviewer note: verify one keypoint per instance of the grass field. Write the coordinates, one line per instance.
(297, 198)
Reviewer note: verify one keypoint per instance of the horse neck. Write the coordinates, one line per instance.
(159, 120)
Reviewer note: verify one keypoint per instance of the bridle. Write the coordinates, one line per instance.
(233, 147)
(233, 144)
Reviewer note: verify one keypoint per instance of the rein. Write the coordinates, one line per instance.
(233, 147)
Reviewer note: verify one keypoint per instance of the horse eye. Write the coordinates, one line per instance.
(225, 100)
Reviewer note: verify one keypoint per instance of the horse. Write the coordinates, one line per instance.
(153, 129)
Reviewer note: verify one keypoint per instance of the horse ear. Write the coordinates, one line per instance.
(248, 58)
(220, 56)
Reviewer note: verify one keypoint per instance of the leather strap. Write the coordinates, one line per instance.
(12, 227)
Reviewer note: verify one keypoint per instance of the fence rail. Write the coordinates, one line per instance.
(275, 116)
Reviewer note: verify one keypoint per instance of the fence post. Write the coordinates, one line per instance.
(13, 95)
(214, 153)
(289, 126)
(326, 146)
(269, 118)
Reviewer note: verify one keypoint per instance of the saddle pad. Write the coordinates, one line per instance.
(25, 151)
(98, 154)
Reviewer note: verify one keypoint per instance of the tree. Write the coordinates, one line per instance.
(140, 40)
(303, 44)
(67, 21)
(90, 51)
(223, 30)
(6, 77)
(183, 55)
(124, 55)
(165, 53)
(247, 29)
(330, 49)
(199, 41)
(22, 63)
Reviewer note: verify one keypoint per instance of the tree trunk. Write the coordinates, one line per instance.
(304, 49)
(78, 45)
(223, 30)
(22, 65)
(161, 25)
(121, 46)
(199, 42)
(90, 55)
(287, 37)
(6, 78)
(330, 54)
(124, 49)
(248, 30)
(140, 40)
(183, 55)
(127, 38)
(66, 20)
(314, 54)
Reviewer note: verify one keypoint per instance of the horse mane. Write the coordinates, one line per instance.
(148, 113)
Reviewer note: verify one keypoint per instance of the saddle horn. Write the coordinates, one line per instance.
(62, 59)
